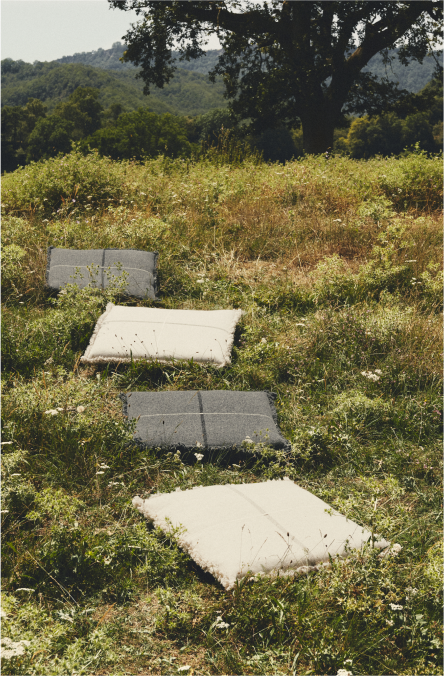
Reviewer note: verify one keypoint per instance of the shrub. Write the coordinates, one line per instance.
(66, 184)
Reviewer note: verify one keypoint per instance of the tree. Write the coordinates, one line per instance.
(285, 62)
(17, 125)
(140, 134)
(51, 135)
(83, 110)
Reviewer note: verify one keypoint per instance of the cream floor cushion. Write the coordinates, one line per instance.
(264, 528)
(125, 333)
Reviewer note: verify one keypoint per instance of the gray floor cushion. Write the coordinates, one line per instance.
(71, 266)
(221, 419)
(269, 528)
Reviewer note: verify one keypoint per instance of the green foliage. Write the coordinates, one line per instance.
(68, 185)
(389, 135)
(53, 82)
(142, 134)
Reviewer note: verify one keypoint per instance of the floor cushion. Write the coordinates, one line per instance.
(221, 419)
(71, 266)
(264, 528)
(125, 333)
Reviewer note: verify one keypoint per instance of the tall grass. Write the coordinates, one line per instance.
(336, 265)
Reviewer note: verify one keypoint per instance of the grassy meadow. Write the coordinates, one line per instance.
(336, 264)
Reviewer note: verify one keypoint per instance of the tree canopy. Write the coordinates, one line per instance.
(285, 62)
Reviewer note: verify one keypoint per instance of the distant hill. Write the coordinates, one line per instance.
(109, 59)
(189, 93)
(412, 77)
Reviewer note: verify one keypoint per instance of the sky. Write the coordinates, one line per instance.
(43, 30)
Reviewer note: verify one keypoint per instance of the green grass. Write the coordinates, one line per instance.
(335, 264)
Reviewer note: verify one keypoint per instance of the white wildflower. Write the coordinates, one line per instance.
(51, 411)
(24, 589)
(9, 648)
(100, 472)
(80, 409)
(200, 281)
(102, 466)
(6, 443)
(378, 371)
(263, 340)
(247, 440)
(186, 667)
(198, 444)
(390, 623)
(198, 456)
(344, 672)
(220, 624)
(370, 375)
(395, 606)
(395, 549)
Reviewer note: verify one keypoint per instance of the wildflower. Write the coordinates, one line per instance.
(6, 443)
(370, 375)
(51, 411)
(100, 472)
(102, 466)
(220, 624)
(9, 648)
(80, 409)
(200, 281)
(263, 340)
(247, 440)
(198, 444)
(73, 200)
(198, 456)
(395, 606)
(378, 371)
(184, 668)
(390, 623)
(344, 672)
(395, 549)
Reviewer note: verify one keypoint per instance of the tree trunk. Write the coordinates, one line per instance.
(317, 128)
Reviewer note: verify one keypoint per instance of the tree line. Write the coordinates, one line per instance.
(30, 133)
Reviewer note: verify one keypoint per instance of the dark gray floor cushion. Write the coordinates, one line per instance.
(99, 266)
(203, 419)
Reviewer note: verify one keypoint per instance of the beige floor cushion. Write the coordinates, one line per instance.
(100, 267)
(125, 333)
(264, 528)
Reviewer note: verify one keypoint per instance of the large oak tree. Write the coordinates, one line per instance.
(285, 62)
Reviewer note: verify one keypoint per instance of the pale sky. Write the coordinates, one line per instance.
(43, 30)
